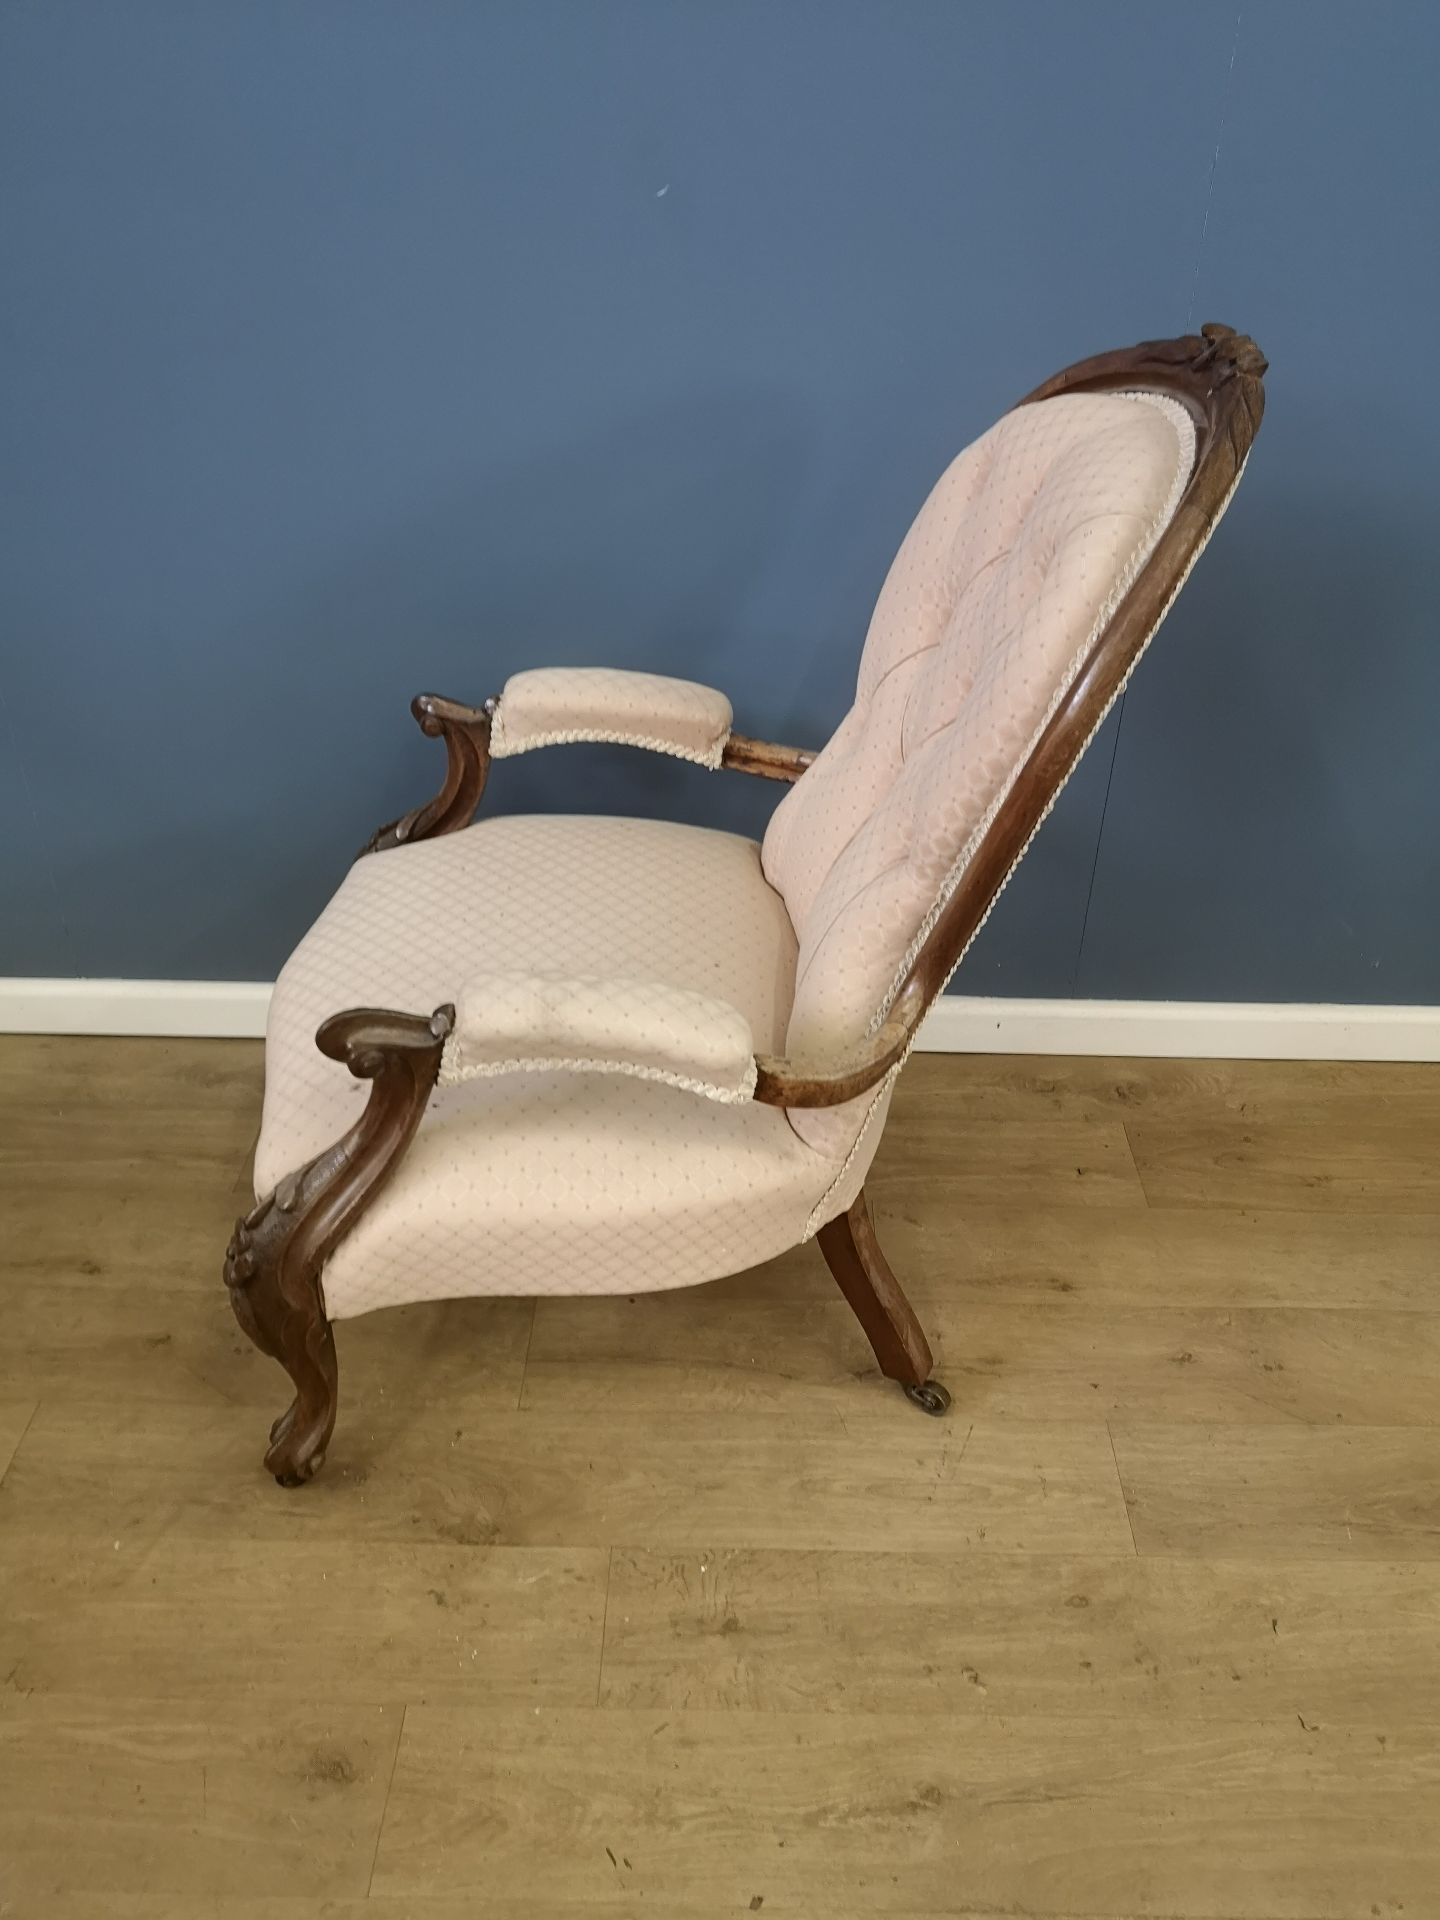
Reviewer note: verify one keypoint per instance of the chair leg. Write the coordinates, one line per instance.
(276, 1298)
(853, 1255)
(278, 1251)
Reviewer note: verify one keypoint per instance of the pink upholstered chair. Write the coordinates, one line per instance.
(660, 1054)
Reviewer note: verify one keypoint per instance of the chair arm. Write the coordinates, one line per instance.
(527, 1023)
(693, 722)
(549, 706)
(782, 1082)
(466, 733)
(765, 758)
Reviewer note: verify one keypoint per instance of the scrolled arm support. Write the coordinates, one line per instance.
(278, 1250)
(782, 1082)
(466, 733)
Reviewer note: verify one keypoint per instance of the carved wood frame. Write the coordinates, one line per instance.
(278, 1250)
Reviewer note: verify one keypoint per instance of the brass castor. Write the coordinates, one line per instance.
(930, 1397)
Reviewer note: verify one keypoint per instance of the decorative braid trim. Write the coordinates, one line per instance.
(738, 1094)
(503, 748)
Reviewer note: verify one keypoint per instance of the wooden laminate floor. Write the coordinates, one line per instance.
(670, 1607)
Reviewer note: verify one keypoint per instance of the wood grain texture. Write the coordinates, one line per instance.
(824, 1619)
(92, 1223)
(1309, 1135)
(1027, 1814)
(1341, 1493)
(1193, 1258)
(1357, 1644)
(1272, 1158)
(473, 1476)
(219, 1798)
(1067, 1161)
(1229, 1134)
(89, 1906)
(16, 1413)
(767, 759)
(76, 1097)
(95, 1618)
(1032, 1361)
(170, 1345)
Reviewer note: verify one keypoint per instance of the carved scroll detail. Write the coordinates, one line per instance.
(278, 1250)
(1230, 352)
(466, 733)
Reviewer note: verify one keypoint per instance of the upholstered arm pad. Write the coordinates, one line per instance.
(552, 705)
(524, 1023)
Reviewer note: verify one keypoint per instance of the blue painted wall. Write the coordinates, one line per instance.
(355, 348)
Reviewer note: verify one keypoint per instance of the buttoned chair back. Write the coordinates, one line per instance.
(1034, 576)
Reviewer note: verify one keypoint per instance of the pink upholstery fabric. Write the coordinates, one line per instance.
(534, 1023)
(567, 1181)
(549, 706)
(1016, 560)
(552, 1181)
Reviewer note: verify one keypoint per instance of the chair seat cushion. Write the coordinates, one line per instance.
(551, 1182)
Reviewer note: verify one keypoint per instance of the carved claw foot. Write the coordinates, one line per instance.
(294, 1460)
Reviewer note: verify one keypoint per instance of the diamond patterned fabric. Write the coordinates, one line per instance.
(553, 1182)
(549, 705)
(527, 1022)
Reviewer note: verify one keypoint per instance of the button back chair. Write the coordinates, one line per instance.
(659, 1054)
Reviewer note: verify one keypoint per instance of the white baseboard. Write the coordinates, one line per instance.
(215, 1009)
(960, 1023)
(1182, 1029)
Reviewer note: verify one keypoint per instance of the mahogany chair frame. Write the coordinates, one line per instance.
(276, 1256)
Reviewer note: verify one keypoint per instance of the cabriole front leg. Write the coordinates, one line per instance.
(277, 1300)
(278, 1250)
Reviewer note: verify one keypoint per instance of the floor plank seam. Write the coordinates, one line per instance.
(242, 1187)
(1145, 1199)
(604, 1622)
(385, 1805)
(964, 1448)
(525, 1361)
(15, 1450)
(1120, 1483)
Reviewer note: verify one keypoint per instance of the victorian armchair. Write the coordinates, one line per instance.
(627, 1055)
